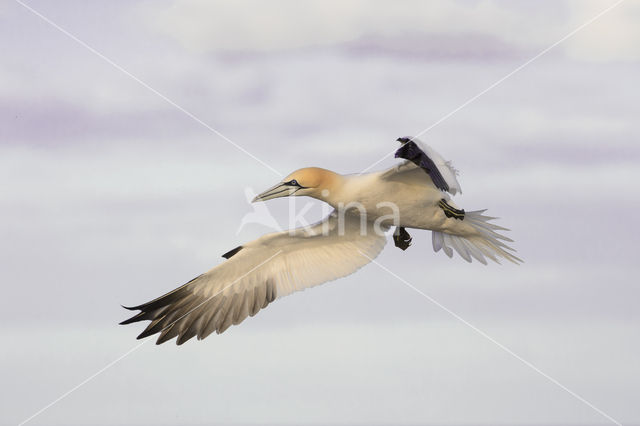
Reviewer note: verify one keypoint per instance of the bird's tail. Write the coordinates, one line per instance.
(485, 241)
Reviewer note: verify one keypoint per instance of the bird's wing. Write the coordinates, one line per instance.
(257, 273)
(442, 173)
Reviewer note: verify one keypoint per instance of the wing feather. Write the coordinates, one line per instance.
(441, 172)
(270, 267)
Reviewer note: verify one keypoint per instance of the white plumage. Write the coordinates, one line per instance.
(281, 263)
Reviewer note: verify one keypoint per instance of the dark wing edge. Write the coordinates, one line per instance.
(182, 313)
(410, 151)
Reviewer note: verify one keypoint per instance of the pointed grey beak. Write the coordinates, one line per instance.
(278, 190)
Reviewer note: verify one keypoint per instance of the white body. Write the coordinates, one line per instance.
(410, 190)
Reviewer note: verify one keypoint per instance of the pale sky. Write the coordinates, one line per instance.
(114, 196)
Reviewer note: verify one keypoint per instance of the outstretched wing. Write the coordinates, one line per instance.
(257, 273)
(442, 173)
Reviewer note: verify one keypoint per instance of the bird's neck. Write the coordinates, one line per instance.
(342, 190)
(330, 187)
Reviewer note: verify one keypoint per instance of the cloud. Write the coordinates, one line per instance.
(614, 37)
(115, 197)
(492, 27)
(434, 370)
(286, 24)
(434, 47)
(54, 122)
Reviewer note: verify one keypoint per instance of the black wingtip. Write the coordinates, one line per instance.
(163, 338)
(133, 318)
(144, 334)
(412, 152)
(137, 317)
(233, 252)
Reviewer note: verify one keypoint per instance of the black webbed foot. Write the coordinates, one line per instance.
(401, 238)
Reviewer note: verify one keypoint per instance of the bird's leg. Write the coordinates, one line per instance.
(401, 238)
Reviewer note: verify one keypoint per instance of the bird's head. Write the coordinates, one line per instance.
(311, 181)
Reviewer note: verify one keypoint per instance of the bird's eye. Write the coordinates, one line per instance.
(294, 182)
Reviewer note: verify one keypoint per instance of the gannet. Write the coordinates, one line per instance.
(415, 193)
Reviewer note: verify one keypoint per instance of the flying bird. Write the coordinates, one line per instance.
(415, 193)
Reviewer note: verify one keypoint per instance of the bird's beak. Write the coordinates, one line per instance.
(276, 191)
